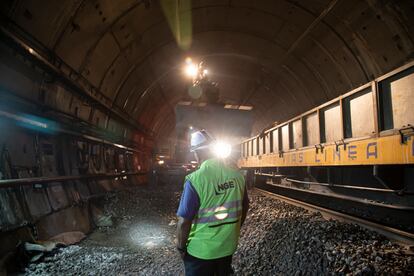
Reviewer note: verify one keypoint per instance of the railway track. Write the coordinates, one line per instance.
(401, 237)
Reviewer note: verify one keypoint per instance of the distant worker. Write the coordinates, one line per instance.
(212, 210)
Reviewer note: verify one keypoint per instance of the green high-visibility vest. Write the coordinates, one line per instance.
(215, 229)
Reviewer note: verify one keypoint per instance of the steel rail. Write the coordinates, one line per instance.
(394, 234)
(11, 183)
(345, 186)
(271, 175)
(348, 198)
(335, 185)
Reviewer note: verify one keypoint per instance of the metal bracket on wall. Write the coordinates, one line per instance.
(339, 143)
(319, 147)
(405, 132)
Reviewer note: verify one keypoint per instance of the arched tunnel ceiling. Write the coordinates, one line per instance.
(280, 56)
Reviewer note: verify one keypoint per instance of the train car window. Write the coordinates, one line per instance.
(251, 147)
(280, 143)
(276, 140)
(311, 129)
(290, 136)
(257, 145)
(254, 147)
(259, 141)
(271, 142)
(263, 143)
(297, 137)
(267, 142)
(285, 137)
(358, 111)
(396, 95)
(330, 119)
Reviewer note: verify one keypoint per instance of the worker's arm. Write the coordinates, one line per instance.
(183, 230)
(189, 205)
(245, 207)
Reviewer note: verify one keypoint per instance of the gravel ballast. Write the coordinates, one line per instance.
(277, 239)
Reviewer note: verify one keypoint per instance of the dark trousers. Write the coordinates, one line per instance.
(216, 267)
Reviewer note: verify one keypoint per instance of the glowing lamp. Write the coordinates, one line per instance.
(221, 149)
(191, 70)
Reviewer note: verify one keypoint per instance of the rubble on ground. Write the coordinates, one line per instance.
(277, 239)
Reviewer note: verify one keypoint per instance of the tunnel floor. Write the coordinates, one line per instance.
(277, 238)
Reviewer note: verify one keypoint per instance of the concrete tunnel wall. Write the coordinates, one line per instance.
(282, 57)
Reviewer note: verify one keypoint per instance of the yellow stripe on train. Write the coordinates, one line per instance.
(373, 151)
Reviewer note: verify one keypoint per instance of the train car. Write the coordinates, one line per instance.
(358, 147)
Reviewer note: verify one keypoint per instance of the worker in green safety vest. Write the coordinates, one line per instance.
(212, 209)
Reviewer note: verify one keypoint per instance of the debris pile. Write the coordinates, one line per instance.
(277, 238)
(138, 241)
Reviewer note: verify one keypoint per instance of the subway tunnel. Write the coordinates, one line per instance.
(99, 99)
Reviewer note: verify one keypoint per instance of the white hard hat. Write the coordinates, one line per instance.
(200, 139)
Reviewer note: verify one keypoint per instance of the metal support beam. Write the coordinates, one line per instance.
(12, 183)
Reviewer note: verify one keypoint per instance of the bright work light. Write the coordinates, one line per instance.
(194, 70)
(221, 149)
(191, 70)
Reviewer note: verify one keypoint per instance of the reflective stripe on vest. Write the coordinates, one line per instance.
(227, 205)
(218, 217)
(219, 213)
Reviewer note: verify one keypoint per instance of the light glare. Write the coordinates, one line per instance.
(191, 70)
(221, 212)
(222, 149)
(188, 60)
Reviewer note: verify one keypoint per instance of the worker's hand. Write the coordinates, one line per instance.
(182, 251)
